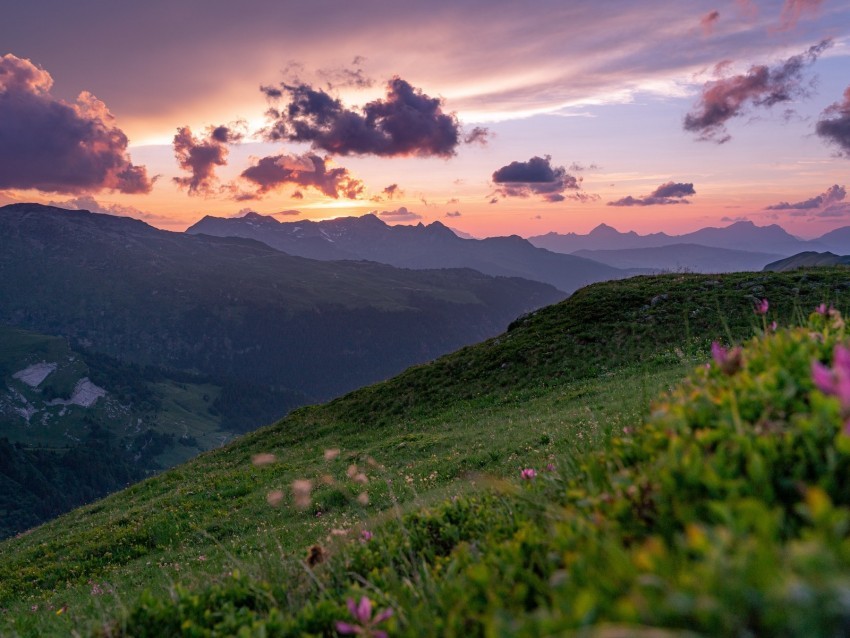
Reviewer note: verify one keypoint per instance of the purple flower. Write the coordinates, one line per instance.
(821, 309)
(366, 535)
(365, 625)
(528, 473)
(836, 381)
(550, 467)
(729, 361)
(762, 307)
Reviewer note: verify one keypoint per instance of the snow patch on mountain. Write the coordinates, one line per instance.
(36, 373)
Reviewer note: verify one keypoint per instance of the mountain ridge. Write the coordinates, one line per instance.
(417, 246)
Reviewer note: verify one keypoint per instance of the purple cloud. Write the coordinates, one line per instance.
(56, 146)
(399, 215)
(669, 193)
(392, 191)
(200, 157)
(834, 124)
(305, 171)
(537, 176)
(831, 195)
(761, 86)
(453, 214)
(405, 122)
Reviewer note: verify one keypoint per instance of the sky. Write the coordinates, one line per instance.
(494, 118)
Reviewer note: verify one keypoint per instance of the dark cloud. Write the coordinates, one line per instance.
(537, 176)
(297, 195)
(392, 191)
(793, 10)
(669, 193)
(834, 124)
(761, 86)
(453, 214)
(477, 135)
(726, 218)
(399, 215)
(56, 146)
(832, 195)
(708, 21)
(305, 171)
(405, 122)
(201, 156)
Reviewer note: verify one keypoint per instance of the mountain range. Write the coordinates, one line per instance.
(742, 235)
(237, 309)
(416, 247)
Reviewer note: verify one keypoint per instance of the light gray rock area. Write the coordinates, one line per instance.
(36, 373)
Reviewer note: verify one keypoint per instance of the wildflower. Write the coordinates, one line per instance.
(762, 307)
(837, 380)
(331, 454)
(274, 498)
(265, 458)
(363, 498)
(729, 361)
(301, 489)
(361, 478)
(366, 535)
(550, 467)
(772, 326)
(202, 558)
(528, 473)
(365, 625)
(821, 309)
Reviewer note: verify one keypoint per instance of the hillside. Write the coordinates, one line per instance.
(807, 260)
(274, 331)
(233, 552)
(419, 247)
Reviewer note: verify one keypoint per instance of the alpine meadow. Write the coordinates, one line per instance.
(425, 319)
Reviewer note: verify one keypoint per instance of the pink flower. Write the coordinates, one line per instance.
(729, 361)
(821, 309)
(366, 535)
(528, 473)
(762, 307)
(550, 467)
(773, 326)
(365, 625)
(836, 381)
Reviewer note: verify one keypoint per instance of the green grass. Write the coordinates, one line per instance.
(552, 389)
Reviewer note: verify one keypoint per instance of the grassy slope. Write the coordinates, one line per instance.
(553, 386)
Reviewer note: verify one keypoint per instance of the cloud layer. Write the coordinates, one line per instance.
(834, 124)
(304, 171)
(669, 193)
(761, 86)
(56, 146)
(832, 195)
(405, 122)
(200, 156)
(537, 176)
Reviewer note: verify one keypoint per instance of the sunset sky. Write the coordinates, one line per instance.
(493, 117)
